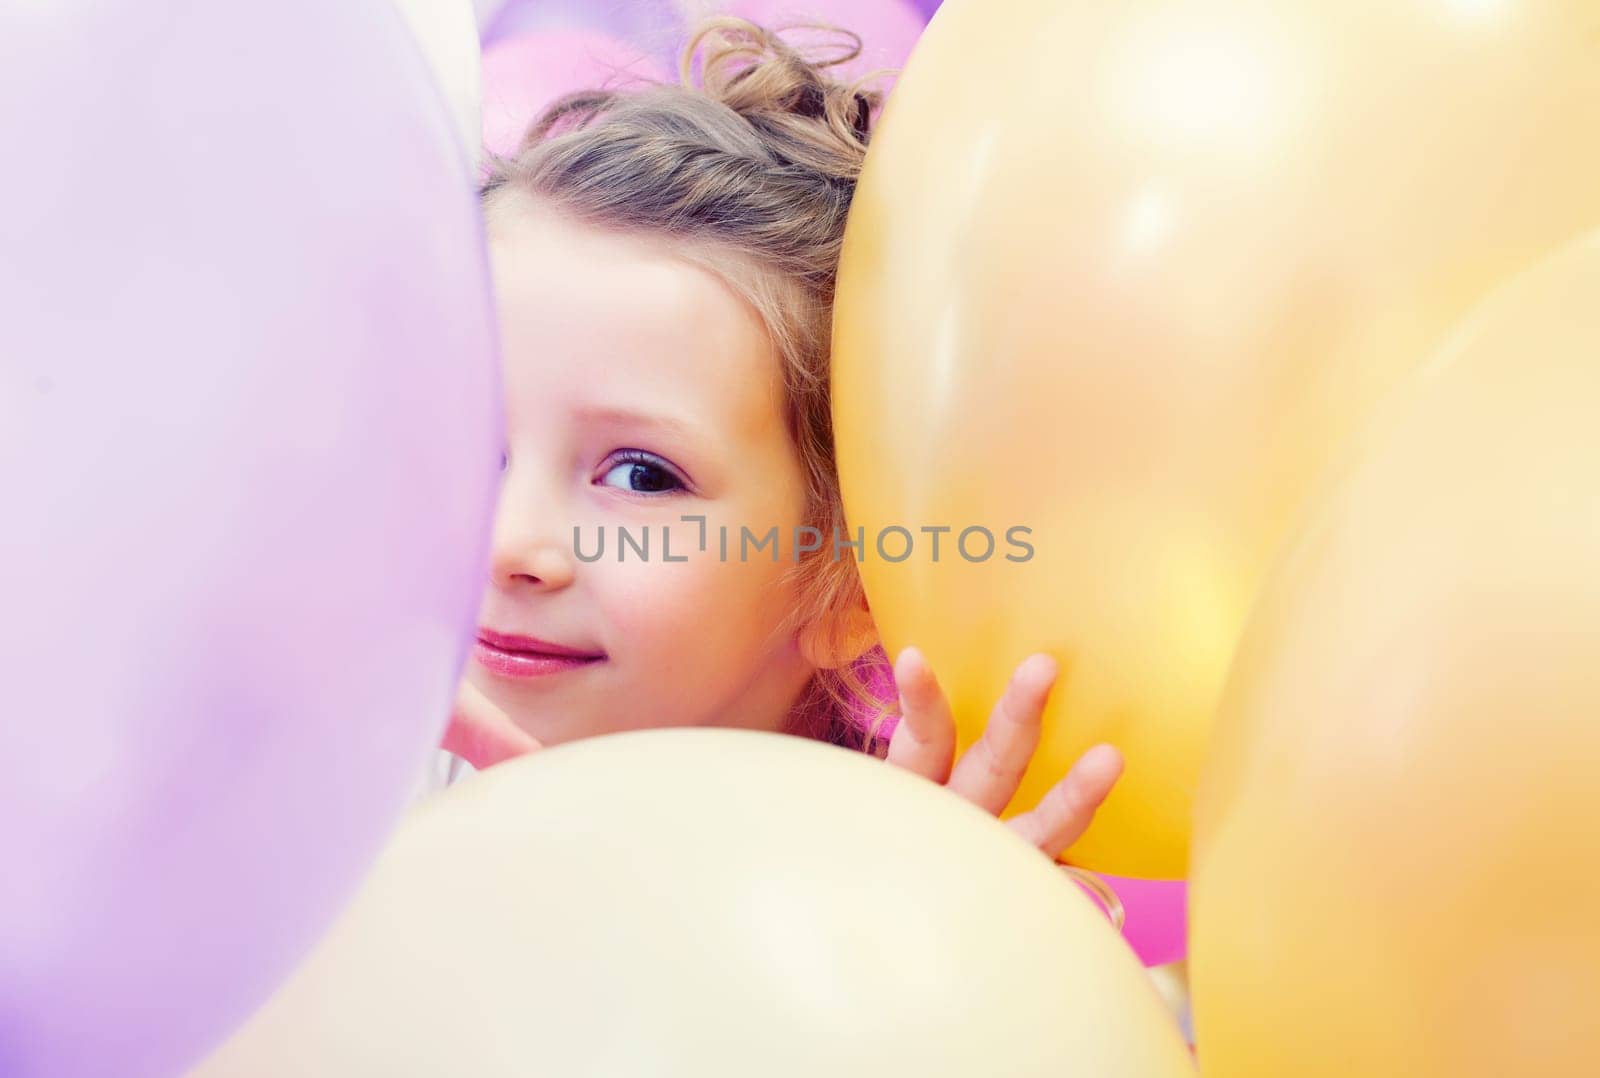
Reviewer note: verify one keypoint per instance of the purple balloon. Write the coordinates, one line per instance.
(249, 438)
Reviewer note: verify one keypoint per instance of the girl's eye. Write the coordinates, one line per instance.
(505, 459)
(641, 473)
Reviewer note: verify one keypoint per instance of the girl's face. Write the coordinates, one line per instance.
(639, 390)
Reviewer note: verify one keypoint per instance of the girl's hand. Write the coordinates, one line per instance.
(481, 733)
(989, 773)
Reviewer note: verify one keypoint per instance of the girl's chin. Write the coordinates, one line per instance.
(551, 724)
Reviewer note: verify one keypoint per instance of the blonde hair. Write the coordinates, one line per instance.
(754, 170)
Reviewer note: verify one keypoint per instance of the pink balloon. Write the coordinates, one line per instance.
(1157, 917)
(521, 75)
(249, 450)
(888, 28)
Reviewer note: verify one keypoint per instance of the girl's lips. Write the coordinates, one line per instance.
(526, 657)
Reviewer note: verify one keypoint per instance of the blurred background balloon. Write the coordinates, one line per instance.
(524, 74)
(536, 52)
(1397, 849)
(888, 28)
(1150, 914)
(249, 437)
(654, 27)
(1155, 915)
(486, 11)
(1126, 275)
(706, 903)
(447, 32)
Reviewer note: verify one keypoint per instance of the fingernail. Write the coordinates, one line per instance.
(1042, 666)
(1105, 756)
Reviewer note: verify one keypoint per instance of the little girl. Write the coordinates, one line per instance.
(664, 261)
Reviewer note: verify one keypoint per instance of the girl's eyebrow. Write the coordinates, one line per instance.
(629, 417)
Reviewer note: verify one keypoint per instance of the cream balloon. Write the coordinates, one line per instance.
(1397, 843)
(447, 31)
(711, 903)
(1126, 274)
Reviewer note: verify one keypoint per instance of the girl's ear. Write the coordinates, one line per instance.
(839, 637)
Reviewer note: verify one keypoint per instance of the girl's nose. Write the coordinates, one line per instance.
(542, 565)
(529, 549)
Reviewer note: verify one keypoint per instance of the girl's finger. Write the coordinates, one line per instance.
(924, 741)
(1065, 812)
(989, 773)
(481, 733)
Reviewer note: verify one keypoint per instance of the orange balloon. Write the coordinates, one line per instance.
(1125, 274)
(1397, 845)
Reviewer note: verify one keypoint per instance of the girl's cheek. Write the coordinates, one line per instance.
(646, 601)
(675, 605)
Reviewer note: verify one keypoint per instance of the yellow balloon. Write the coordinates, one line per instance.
(708, 903)
(1397, 845)
(1125, 274)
